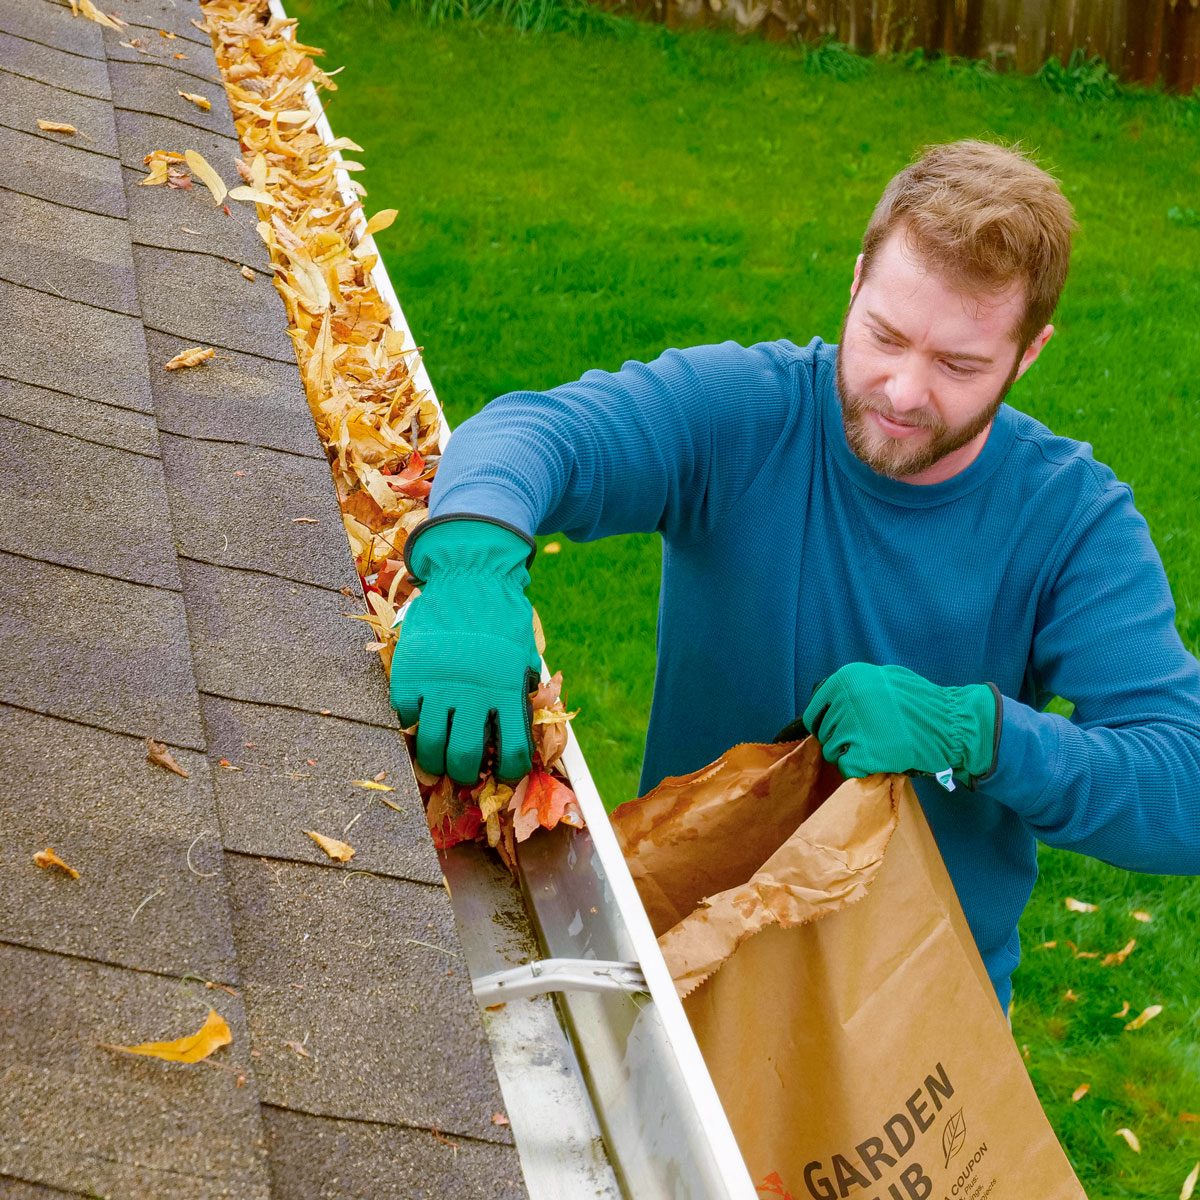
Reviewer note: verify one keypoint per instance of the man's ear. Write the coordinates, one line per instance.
(1033, 350)
(854, 285)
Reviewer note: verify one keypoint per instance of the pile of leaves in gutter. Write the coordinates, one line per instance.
(381, 433)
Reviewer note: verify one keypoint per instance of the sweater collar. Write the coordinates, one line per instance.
(896, 491)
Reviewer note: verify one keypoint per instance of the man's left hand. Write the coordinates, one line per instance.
(871, 719)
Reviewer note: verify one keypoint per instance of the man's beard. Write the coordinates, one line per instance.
(894, 457)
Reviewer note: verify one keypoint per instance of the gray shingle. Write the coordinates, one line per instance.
(127, 827)
(57, 343)
(232, 396)
(81, 1117)
(269, 641)
(25, 101)
(82, 505)
(153, 88)
(175, 16)
(194, 295)
(279, 792)
(366, 973)
(35, 166)
(249, 520)
(54, 67)
(79, 417)
(138, 133)
(316, 1158)
(198, 62)
(83, 256)
(95, 650)
(52, 25)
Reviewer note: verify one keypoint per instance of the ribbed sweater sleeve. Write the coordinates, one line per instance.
(1119, 780)
(668, 445)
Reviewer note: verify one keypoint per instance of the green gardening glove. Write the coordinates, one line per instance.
(466, 659)
(871, 719)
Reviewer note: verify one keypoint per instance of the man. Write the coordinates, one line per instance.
(862, 534)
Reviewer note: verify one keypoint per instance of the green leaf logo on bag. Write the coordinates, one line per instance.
(954, 1135)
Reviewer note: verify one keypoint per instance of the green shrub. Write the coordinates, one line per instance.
(1082, 78)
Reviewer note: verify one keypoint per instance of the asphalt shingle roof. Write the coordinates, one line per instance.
(154, 582)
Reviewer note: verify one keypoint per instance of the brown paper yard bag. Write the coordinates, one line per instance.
(834, 986)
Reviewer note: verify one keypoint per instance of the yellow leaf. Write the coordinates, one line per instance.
(341, 851)
(249, 274)
(158, 754)
(1070, 996)
(1124, 1011)
(551, 547)
(169, 36)
(191, 357)
(1047, 945)
(251, 194)
(1189, 1184)
(258, 173)
(212, 1035)
(1145, 1016)
(372, 785)
(1081, 1091)
(493, 797)
(201, 102)
(1139, 915)
(56, 127)
(158, 174)
(211, 180)
(92, 13)
(1130, 1140)
(1080, 906)
(1119, 956)
(553, 716)
(381, 220)
(47, 859)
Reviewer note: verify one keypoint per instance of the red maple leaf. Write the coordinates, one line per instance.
(549, 796)
(408, 482)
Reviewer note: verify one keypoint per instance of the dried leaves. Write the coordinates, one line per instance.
(338, 851)
(47, 859)
(158, 754)
(56, 127)
(212, 1035)
(191, 357)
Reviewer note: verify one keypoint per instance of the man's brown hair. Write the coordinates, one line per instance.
(982, 216)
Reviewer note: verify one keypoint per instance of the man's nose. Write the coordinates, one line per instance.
(906, 390)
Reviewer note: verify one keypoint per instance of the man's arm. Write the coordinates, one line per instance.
(1120, 780)
(668, 445)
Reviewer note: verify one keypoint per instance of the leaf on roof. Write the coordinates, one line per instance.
(56, 126)
(372, 785)
(89, 10)
(192, 357)
(166, 33)
(204, 172)
(248, 274)
(211, 1036)
(339, 851)
(203, 103)
(47, 860)
(1145, 1016)
(158, 754)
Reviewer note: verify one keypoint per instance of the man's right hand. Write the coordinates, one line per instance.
(466, 659)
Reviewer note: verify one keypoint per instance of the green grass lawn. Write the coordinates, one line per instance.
(569, 202)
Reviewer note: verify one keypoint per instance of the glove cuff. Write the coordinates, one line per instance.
(981, 712)
(419, 559)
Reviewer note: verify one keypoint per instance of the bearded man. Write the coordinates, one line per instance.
(864, 536)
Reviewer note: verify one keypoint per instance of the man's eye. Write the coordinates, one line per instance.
(957, 371)
(883, 339)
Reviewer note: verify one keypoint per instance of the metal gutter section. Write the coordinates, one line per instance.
(665, 1129)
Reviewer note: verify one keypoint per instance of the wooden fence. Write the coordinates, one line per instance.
(1141, 40)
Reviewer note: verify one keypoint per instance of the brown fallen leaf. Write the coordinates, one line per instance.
(1189, 1184)
(1190, 1118)
(179, 54)
(56, 126)
(201, 102)
(191, 357)
(498, 1118)
(1079, 1093)
(47, 859)
(1047, 945)
(248, 274)
(1070, 996)
(204, 172)
(1080, 906)
(298, 1047)
(1119, 956)
(1130, 1140)
(1145, 1016)
(163, 33)
(1124, 1010)
(212, 1035)
(158, 754)
(379, 777)
(305, 521)
(340, 851)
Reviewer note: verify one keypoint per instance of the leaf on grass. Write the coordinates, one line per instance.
(212, 1035)
(1124, 1011)
(192, 357)
(207, 176)
(158, 754)
(1142, 916)
(1047, 945)
(201, 102)
(1079, 1093)
(1130, 1140)
(1189, 1184)
(339, 851)
(1080, 906)
(381, 220)
(1190, 1118)
(56, 126)
(551, 548)
(47, 859)
(1145, 1016)
(372, 785)
(1119, 956)
(1070, 996)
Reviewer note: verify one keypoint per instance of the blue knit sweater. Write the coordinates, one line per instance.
(786, 557)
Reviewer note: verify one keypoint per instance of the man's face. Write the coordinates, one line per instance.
(922, 369)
